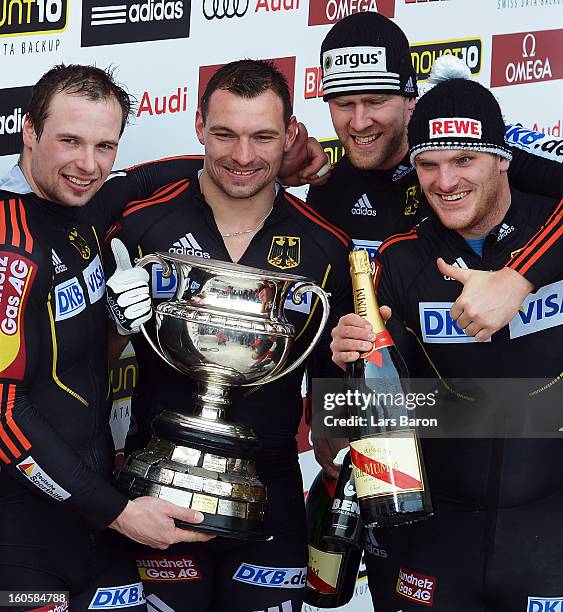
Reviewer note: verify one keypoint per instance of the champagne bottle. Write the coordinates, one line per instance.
(388, 466)
(333, 567)
(345, 526)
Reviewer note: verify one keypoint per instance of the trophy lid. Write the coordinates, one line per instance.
(216, 266)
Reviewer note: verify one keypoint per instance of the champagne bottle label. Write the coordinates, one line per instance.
(386, 464)
(323, 570)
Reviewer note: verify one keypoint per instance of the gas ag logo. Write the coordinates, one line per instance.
(424, 54)
(107, 22)
(526, 57)
(155, 568)
(322, 12)
(16, 278)
(13, 106)
(541, 310)
(36, 17)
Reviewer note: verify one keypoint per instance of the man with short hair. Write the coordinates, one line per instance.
(370, 86)
(494, 542)
(236, 211)
(56, 451)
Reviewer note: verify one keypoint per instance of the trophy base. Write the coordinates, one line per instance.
(197, 432)
(224, 488)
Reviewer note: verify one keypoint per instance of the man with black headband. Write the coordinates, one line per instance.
(494, 542)
(370, 86)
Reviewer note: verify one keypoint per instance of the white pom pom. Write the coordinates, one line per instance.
(448, 67)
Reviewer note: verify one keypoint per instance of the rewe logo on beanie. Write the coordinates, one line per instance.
(354, 58)
(455, 126)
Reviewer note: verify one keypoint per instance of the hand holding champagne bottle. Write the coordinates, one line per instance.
(388, 466)
(333, 562)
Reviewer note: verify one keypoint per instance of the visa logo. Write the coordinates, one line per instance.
(272, 577)
(125, 596)
(437, 325)
(95, 279)
(163, 287)
(544, 604)
(304, 307)
(541, 310)
(69, 299)
(370, 246)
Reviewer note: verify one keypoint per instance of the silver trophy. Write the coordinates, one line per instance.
(225, 327)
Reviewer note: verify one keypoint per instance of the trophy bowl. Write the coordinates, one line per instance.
(225, 327)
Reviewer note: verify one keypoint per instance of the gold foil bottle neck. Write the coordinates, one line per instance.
(365, 301)
(359, 262)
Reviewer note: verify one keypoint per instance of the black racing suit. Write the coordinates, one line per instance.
(56, 451)
(495, 541)
(371, 205)
(229, 574)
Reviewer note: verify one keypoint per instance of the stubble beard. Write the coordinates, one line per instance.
(374, 160)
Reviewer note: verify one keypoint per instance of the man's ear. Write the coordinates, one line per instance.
(503, 164)
(291, 134)
(28, 133)
(199, 126)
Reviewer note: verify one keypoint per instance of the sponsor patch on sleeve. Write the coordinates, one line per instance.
(17, 274)
(416, 587)
(37, 476)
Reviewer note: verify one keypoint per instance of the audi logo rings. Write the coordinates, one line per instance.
(218, 9)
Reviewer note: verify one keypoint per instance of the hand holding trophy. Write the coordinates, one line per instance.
(225, 328)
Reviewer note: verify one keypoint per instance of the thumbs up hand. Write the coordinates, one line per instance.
(489, 300)
(127, 291)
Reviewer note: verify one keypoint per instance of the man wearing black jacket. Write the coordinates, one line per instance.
(494, 542)
(236, 211)
(373, 192)
(56, 452)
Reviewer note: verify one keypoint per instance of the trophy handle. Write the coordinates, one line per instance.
(167, 273)
(296, 298)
